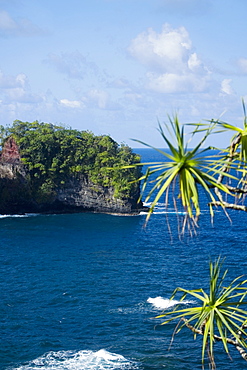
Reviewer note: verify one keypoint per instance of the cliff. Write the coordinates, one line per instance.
(78, 194)
(48, 168)
(33, 185)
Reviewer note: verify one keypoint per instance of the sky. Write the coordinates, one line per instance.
(118, 67)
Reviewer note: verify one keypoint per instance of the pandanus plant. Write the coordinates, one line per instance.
(219, 316)
(181, 172)
(239, 139)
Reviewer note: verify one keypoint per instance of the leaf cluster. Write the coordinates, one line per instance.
(182, 172)
(54, 154)
(220, 313)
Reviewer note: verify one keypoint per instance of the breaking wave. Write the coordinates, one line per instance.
(19, 216)
(161, 303)
(159, 212)
(162, 208)
(86, 360)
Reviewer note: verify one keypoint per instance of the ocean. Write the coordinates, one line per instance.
(81, 291)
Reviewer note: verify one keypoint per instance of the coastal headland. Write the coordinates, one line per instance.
(51, 169)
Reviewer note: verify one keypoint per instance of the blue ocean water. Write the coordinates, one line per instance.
(80, 291)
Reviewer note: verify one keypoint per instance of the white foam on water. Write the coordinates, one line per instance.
(138, 308)
(163, 212)
(124, 214)
(158, 204)
(81, 360)
(163, 303)
(18, 216)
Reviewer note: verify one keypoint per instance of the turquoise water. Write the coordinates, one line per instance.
(80, 291)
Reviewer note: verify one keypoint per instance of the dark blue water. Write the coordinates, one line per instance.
(74, 289)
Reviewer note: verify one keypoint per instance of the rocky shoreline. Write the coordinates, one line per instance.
(77, 195)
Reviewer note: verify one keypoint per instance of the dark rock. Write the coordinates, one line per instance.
(77, 195)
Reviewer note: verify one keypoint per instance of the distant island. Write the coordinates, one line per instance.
(47, 168)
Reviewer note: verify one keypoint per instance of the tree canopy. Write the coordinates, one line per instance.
(54, 153)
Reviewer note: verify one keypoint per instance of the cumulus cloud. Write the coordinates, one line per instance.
(172, 64)
(73, 65)
(16, 89)
(8, 81)
(167, 50)
(21, 27)
(92, 99)
(195, 64)
(172, 83)
(20, 95)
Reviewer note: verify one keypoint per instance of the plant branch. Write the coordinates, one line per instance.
(233, 147)
(239, 348)
(236, 207)
(236, 190)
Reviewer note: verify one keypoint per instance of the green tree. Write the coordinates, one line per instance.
(54, 154)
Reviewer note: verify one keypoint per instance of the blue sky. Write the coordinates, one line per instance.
(118, 66)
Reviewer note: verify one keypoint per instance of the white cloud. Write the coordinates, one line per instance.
(195, 64)
(226, 86)
(8, 81)
(21, 79)
(172, 64)
(71, 103)
(167, 51)
(20, 95)
(16, 89)
(94, 98)
(172, 83)
(15, 94)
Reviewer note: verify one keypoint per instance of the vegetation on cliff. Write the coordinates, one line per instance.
(54, 154)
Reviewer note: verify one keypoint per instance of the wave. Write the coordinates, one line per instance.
(17, 216)
(161, 303)
(157, 212)
(158, 204)
(86, 360)
(163, 208)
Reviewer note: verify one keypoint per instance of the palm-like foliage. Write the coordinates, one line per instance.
(188, 168)
(240, 138)
(219, 314)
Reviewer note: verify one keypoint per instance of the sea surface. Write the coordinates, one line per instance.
(81, 291)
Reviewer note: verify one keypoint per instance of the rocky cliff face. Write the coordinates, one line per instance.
(77, 195)
(14, 189)
(82, 194)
